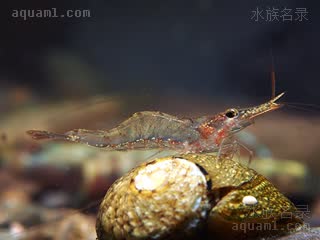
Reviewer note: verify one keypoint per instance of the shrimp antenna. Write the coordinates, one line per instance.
(273, 76)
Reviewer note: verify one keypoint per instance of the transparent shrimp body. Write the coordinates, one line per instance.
(156, 130)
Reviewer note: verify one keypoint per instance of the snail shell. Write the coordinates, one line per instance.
(188, 196)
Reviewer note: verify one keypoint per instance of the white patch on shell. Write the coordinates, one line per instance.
(249, 200)
(150, 179)
(157, 174)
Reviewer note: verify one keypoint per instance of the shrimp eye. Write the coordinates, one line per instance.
(232, 113)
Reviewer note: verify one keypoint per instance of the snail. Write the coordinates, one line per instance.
(194, 196)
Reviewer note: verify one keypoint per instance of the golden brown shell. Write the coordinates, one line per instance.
(180, 197)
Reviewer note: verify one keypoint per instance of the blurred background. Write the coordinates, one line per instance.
(187, 58)
(203, 48)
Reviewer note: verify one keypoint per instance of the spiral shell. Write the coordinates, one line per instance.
(193, 195)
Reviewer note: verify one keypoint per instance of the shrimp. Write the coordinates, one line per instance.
(157, 130)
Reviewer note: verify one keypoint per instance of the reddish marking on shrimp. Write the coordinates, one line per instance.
(206, 131)
(174, 142)
(220, 136)
(151, 130)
